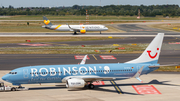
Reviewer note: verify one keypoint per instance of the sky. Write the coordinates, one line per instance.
(57, 3)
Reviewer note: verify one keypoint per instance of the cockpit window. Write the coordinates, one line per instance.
(12, 72)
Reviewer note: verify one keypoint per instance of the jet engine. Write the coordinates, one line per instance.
(75, 83)
(82, 31)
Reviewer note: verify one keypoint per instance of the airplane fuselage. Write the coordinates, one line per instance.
(57, 73)
(81, 27)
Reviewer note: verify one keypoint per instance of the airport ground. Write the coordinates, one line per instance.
(166, 84)
(156, 85)
(128, 23)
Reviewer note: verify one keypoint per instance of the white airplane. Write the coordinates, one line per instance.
(78, 75)
(75, 28)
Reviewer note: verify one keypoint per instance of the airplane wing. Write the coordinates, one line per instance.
(73, 29)
(84, 60)
(164, 65)
(91, 78)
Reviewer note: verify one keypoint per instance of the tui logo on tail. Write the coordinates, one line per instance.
(149, 53)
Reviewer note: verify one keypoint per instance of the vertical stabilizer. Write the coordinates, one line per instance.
(47, 22)
(151, 54)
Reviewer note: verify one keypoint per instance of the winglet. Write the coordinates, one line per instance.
(83, 60)
(71, 29)
(137, 75)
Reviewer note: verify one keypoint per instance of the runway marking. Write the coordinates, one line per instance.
(146, 89)
(119, 91)
(80, 57)
(107, 57)
(25, 44)
(98, 83)
(94, 57)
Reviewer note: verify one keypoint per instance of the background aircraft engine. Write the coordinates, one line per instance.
(83, 31)
(75, 83)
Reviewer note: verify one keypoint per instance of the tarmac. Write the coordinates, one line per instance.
(88, 34)
(156, 86)
(166, 84)
(126, 40)
(12, 61)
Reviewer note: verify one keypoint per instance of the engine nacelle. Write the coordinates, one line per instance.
(82, 31)
(75, 83)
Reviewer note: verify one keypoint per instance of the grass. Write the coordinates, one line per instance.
(91, 17)
(88, 49)
(169, 69)
(36, 26)
(21, 26)
(171, 27)
(51, 39)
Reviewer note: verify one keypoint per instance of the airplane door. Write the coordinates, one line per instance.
(25, 73)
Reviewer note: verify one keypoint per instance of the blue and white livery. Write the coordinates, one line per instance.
(78, 75)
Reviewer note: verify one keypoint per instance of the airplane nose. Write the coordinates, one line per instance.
(5, 77)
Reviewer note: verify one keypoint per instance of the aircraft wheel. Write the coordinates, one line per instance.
(91, 86)
(75, 33)
(13, 89)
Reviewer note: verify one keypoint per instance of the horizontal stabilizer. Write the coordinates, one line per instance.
(164, 65)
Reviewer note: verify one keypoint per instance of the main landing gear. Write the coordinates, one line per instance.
(100, 32)
(75, 33)
(91, 86)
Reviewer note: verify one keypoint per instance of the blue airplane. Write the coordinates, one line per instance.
(79, 75)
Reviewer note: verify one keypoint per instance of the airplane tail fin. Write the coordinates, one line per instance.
(47, 22)
(151, 54)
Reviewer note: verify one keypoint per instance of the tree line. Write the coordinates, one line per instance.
(117, 10)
